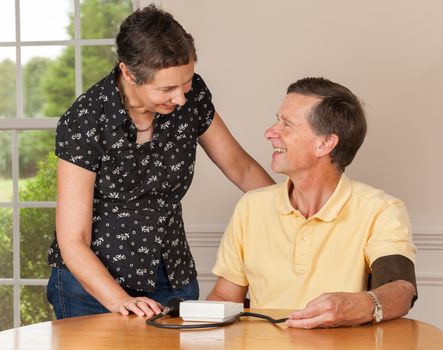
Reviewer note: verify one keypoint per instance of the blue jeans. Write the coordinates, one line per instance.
(70, 299)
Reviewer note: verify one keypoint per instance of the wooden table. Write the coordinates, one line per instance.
(113, 331)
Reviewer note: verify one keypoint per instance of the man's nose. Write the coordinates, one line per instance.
(271, 132)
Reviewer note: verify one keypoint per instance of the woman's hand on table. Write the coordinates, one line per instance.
(141, 306)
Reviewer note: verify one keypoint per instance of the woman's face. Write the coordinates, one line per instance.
(166, 91)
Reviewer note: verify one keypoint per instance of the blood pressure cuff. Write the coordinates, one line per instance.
(392, 268)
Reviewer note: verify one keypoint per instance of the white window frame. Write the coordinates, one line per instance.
(19, 123)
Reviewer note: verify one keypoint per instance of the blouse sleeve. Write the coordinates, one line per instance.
(202, 101)
(77, 139)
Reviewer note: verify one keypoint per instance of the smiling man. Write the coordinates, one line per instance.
(337, 251)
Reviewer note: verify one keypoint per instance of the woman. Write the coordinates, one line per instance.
(126, 151)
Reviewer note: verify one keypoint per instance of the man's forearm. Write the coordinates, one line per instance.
(216, 296)
(352, 309)
(225, 290)
(395, 298)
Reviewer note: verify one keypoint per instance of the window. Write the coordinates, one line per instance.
(50, 51)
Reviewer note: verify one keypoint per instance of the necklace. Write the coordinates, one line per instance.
(125, 105)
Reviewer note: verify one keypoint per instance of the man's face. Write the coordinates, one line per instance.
(295, 144)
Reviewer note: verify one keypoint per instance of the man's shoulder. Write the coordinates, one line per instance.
(266, 191)
(263, 195)
(365, 192)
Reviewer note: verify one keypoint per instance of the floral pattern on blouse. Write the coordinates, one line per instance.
(137, 215)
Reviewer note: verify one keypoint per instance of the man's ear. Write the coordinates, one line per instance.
(127, 75)
(327, 144)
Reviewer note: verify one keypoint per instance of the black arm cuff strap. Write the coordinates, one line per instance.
(392, 268)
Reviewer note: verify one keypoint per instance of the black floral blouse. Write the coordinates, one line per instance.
(137, 215)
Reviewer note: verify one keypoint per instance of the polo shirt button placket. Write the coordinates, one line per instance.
(301, 258)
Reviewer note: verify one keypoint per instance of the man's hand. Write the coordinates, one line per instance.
(333, 310)
(351, 309)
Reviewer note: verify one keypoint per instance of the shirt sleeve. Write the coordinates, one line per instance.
(77, 139)
(392, 233)
(202, 104)
(230, 263)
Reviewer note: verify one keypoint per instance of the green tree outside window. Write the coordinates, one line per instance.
(48, 88)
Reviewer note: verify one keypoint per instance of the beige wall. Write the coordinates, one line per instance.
(390, 53)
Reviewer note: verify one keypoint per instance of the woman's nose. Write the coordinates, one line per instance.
(179, 97)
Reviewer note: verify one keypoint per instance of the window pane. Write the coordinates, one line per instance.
(97, 62)
(55, 27)
(7, 87)
(36, 233)
(48, 80)
(34, 307)
(6, 305)
(37, 166)
(5, 167)
(6, 243)
(102, 19)
(7, 21)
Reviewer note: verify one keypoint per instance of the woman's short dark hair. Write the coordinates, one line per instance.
(150, 39)
(339, 112)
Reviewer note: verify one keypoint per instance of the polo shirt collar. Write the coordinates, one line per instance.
(330, 209)
(283, 203)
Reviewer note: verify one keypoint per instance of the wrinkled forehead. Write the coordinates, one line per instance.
(297, 107)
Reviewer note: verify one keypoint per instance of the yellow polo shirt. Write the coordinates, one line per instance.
(287, 260)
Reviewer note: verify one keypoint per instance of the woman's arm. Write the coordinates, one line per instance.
(75, 190)
(231, 158)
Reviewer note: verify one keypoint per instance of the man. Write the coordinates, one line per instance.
(319, 241)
